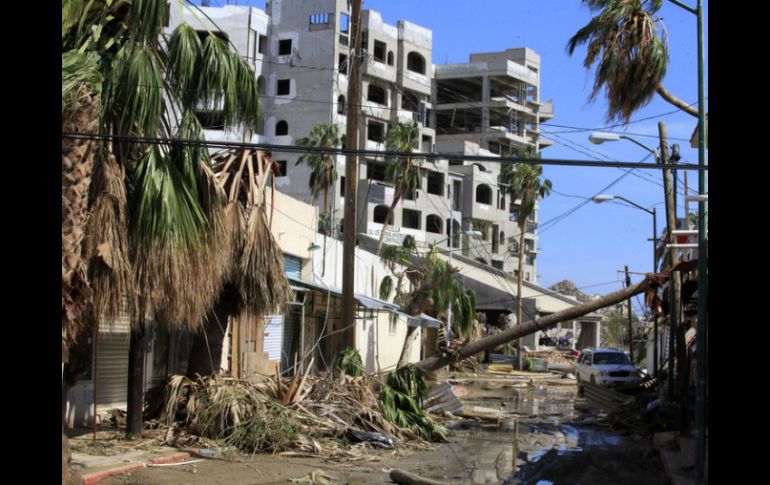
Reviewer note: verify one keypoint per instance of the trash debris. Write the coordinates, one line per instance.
(316, 477)
(376, 439)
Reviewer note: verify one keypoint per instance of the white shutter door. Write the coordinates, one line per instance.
(112, 365)
(273, 334)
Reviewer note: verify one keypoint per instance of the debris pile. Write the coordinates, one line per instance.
(301, 415)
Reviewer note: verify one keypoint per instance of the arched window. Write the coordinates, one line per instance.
(281, 128)
(341, 105)
(483, 194)
(390, 58)
(376, 94)
(434, 224)
(380, 213)
(415, 62)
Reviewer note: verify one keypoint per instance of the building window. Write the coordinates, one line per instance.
(284, 87)
(375, 171)
(343, 64)
(319, 19)
(381, 213)
(341, 105)
(483, 194)
(344, 23)
(453, 239)
(497, 264)
(284, 47)
(434, 224)
(379, 51)
(375, 131)
(435, 183)
(342, 186)
(390, 58)
(262, 44)
(457, 189)
(281, 128)
(501, 199)
(502, 239)
(376, 94)
(281, 164)
(415, 62)
(410, 219)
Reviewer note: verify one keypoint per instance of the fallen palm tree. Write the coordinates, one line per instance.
(649, 286)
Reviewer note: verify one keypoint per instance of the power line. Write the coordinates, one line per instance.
(368, 153)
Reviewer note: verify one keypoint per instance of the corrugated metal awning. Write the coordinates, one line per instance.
(366, 301)
(424, 321)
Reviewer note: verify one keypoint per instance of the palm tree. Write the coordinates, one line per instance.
(524, 184)
(631, 55)
(155, 236)
(402, 172)
(425, 284)
(323, 173)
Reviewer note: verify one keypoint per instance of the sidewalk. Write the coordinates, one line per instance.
(678, 456)
(93, 468)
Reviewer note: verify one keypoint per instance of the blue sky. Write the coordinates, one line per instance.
(592, 243)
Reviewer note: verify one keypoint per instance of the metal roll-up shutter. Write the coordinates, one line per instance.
(273, 337)
(112, 364)
(292, 265)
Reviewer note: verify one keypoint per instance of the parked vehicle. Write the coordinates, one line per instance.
(606, 367)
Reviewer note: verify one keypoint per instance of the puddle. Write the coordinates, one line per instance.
(549, 426)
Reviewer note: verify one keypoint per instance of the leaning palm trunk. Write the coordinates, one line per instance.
(519, 300)
(648, 285)
(388, 220)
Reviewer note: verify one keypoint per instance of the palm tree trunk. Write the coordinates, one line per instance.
(488, 343)
(519, 302)
(388, 219)
(406, 350)
(135, 397)
(665, 94)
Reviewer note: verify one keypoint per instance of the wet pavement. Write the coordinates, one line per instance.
(557, 444)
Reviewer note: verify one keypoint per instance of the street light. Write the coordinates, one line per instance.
(599, 198)
(597, 138)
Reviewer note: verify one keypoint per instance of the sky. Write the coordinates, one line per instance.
(581, 241)
(589, 245)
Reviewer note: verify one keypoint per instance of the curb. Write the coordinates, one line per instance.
(90, 478)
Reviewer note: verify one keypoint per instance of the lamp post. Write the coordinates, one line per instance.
(605, 197)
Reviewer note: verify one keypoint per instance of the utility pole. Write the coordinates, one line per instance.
(630, 322)
(676, 278)
(655, 359)
(351, 172)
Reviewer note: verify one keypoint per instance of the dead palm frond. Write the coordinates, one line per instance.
(258, 268)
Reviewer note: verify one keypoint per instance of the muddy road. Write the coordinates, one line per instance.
(557, 444)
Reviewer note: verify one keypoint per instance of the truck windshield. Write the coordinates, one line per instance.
(610, 358)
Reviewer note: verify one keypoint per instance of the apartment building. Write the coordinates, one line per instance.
(489, 106)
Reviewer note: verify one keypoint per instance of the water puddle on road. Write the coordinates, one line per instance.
(551, 430)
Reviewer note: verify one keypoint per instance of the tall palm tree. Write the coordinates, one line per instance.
(402, 172)
(323, 173)
(525, 185)
(631, 54)
(155, 236)
(425, 284)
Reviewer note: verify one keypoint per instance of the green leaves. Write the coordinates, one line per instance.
(630, 52)
(323, 172)
(400, 399)
(135, 101)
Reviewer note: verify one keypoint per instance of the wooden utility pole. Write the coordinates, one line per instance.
(351, 172)
(675, 289)
(630, 322)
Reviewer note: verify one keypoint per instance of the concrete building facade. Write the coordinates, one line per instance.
(489, 106)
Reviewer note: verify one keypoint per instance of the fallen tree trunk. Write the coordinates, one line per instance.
(407, 478)
(532, 326)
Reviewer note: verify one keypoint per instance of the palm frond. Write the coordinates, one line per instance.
(148, 17)
(135, 101)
